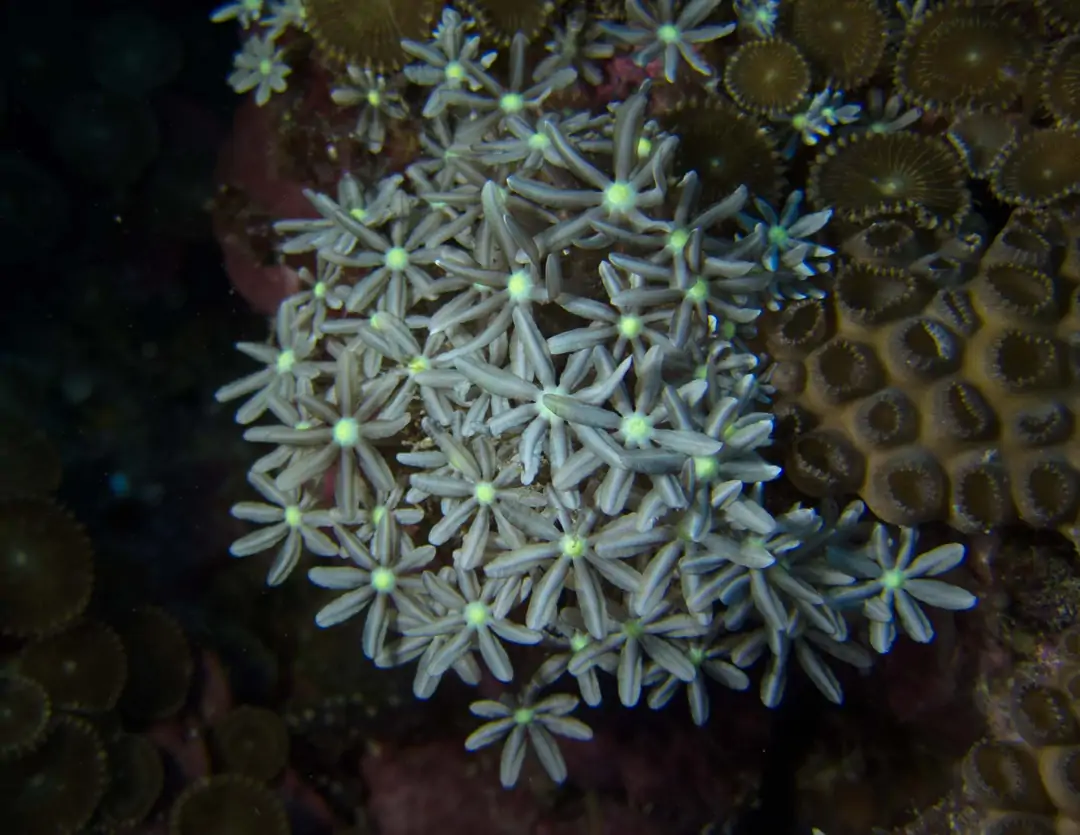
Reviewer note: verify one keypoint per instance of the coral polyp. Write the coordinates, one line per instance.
(1038, 169)
(845, 39)
(963, 56)
(768, 77)
(368, 33)
(875, 175)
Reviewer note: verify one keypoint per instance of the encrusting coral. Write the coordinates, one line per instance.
(518, 415)
(940, 404)
(1026, 779)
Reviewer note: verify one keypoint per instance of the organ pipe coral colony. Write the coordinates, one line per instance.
(545, 378)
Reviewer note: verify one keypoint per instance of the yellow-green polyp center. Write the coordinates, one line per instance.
(512, 103)
(706, 468)
(454, 71)
(285, 362)
(630, 326)
(346, 432)
(678, 239)
(383, 580)
(699, 291)
(476, 613)
(636, 428)
(668, 33)
(524, 715)
(294, 516)
(573, 546)
(418, 364)
(619, 197)
(892, 579)
(397, 258)
(266, 66)
(538, 142)
(518, 285)
(484, 492)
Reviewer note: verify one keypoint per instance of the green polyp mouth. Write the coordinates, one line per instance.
(484, 492)
(383, 580)
(630, 327)
(539, 142)
(294, 516)
(636, 428)
(892, 578)
(512, 103)
(778, 235)
(374, 98)
(346, 432)
(699, 291)
(668, 33)
(286, 361)
(519, 285)
(619, 197)
(397, 258)
(573, 546)
(454, 71)
(266, 66)
(476, 614)
(678, 240)
(524, 715)
(706, 468)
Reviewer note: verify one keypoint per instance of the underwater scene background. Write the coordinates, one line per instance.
(555, 417)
